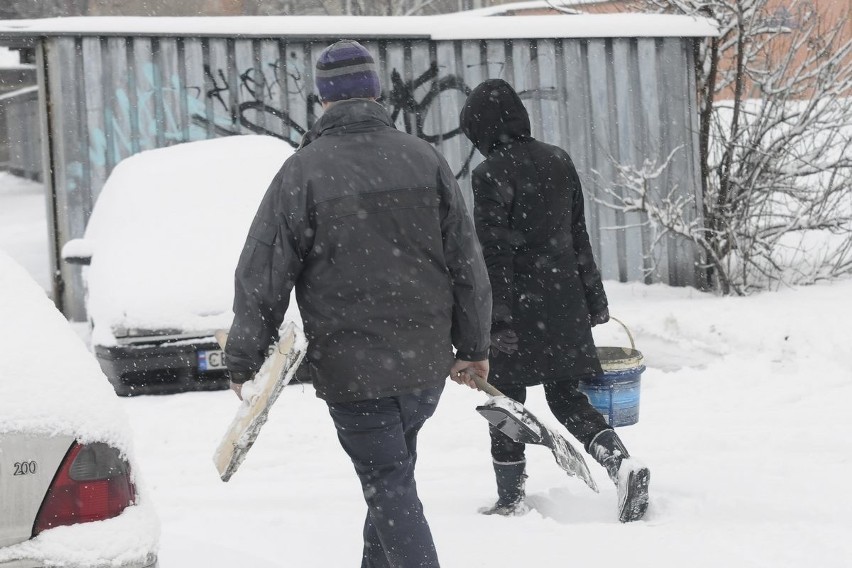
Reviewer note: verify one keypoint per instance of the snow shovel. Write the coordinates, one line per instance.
(259, 394)
(510, 417)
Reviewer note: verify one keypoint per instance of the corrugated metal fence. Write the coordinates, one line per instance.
(603, 100)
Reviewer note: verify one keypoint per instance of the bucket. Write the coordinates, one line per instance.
(615, 394)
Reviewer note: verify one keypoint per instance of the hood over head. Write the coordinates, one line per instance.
(494, 114)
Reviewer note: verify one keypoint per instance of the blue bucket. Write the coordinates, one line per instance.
(615, 394)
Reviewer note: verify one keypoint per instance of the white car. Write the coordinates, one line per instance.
(161, 247)
(68, 489)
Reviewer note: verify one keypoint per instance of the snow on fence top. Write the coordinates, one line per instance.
(445, 27)
(503, 9)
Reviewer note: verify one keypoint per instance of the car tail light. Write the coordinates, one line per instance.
(92, 484)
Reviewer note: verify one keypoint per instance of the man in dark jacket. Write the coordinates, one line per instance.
(368, 224)
(547, 290)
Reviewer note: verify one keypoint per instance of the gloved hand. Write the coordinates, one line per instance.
(505, 340)
(599, 317)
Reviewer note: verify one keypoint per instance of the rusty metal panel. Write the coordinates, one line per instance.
(605, 101)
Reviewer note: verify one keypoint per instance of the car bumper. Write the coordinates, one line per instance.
(152, 368)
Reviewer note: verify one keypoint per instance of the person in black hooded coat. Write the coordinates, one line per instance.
(546, 289)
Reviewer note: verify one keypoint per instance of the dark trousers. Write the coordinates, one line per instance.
(380, 437)
(569, 406)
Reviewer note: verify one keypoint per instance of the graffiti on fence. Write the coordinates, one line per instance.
(255, 90)
(255, 98)
(116, 139)
(273, 98)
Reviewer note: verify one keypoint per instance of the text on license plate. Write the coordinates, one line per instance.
(212, 360)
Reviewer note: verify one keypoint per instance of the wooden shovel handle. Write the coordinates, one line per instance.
(484, 385)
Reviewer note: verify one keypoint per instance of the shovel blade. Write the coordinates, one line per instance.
(519, 424)
(514, 424)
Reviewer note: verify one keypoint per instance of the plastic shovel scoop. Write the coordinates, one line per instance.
(510, 417)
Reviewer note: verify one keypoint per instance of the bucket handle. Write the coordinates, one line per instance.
(629, 335)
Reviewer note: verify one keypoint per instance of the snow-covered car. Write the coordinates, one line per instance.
(161, 247)
(65, 446)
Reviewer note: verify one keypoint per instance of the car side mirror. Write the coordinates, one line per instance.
(77, 251)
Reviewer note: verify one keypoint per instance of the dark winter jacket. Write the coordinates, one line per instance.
(530, 221)
(369, 225)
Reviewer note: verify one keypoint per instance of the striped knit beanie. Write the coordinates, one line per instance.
(346, 70)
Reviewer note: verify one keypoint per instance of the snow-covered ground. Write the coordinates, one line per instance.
(745, 420)
(23, 225)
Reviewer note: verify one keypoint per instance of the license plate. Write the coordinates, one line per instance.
(212, 360)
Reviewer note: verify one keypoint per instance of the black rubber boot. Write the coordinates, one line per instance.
(630, 477)
(510, 490)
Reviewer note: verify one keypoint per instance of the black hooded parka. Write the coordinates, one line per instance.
(530, 221)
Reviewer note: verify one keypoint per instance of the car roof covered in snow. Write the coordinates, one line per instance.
(443, 27)
(167, 230)
(50, 384)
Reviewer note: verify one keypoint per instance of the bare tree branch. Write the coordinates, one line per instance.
(775, 142)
